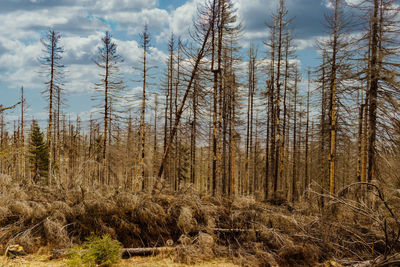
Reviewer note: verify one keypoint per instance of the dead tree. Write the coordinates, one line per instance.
(203, 33)
(145, 43)
(110, 86)
(51, 62)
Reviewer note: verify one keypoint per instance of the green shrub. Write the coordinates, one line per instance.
(103, 251)
(75, 258)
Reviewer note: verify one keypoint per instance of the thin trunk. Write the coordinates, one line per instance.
(50, 126)
(106, 106)
(278, 106)
(294, 168)
(332, 109)
(22, 136)
(155, 139)
(360, 129)
(193, 136)
(143, 137)
(373, 95)
(177, 161)
(220, 24)
(322, 133)
(233, 143)
(215, 95)
(306, 171)
(255, 156)
(284, 137)
(272, 117)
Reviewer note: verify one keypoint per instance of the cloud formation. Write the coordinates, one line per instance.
(83, 22)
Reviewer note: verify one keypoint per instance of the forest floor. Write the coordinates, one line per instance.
(201, 229)
(43, 261)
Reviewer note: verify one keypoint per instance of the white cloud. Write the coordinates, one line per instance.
(133, 22)
(82, 24)
(302, 44)
(112, 5)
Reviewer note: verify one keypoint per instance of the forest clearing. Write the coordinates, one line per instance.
(216, 150)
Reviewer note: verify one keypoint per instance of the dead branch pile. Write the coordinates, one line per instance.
(250, 232)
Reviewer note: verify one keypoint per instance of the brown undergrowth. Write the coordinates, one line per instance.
(249, 232)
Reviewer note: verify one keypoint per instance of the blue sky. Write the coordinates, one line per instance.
(83, 22)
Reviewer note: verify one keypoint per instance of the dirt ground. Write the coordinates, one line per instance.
(43, 261)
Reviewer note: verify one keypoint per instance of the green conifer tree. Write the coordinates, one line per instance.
(38, 153)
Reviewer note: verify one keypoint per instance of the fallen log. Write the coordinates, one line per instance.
(125, 252)
(131, 252)
(380, 261)
(236, 230)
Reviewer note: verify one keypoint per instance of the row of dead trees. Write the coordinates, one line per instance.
(228, 129)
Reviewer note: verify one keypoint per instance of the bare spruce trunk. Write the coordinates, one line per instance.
(278, 108)
(322, 133)
(106, 105)
(373, 95)
(294, 168)
(283, 156)
(51, 91)
(306, 171)
(360, 131)
(143, 126)
(22, 153)
(332, 108)
(272, 110)
(193, 136)
(215, 95)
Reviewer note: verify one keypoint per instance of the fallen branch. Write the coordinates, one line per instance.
(125, 252)
(382, 198)
(378, 262)
(223, 230)
(131, 252)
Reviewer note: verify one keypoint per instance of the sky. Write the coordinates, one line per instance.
(82, 23)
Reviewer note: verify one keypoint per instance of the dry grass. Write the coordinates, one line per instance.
(42, 261)
(31, 260)
(263, 234)
(169, 262)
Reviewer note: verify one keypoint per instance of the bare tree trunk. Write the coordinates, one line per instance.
(284, 137)
(106, 106)
(323, 132)
(272, 117)
(233, 144)
(145, 40)
(155, 136)
(193, 136)
(22, 136)
(249, 137)
(294, 168)
(332, 109)
(215, 110)
(373, 95)
(177, 161)
(360, 131)
(255, 157)
(278, 107)
(306, 171)
(365, 139)
(171, 45)
(51, 91)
